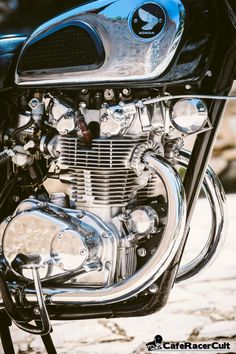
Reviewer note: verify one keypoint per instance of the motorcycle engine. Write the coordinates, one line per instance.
(103, 216)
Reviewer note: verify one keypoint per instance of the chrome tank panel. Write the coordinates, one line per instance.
(129, 56)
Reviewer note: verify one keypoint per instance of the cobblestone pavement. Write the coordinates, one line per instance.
(201, 309)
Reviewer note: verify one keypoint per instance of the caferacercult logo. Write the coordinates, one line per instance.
(158, 344)
(147, 21)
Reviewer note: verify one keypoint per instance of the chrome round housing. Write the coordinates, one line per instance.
(143, 220)
(189, 115)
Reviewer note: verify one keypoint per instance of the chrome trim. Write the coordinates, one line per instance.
(127, 58)
(159, 262)
(217, 200)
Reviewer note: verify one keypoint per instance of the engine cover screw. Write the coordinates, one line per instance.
(153, 289)
(83, 251)
(80, 215)
(104, 234)
(188, 87)
(36, 311)
(141, 252)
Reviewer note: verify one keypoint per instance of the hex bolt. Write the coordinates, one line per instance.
(16, 198)
(36, 311)
(104, 234)
(126, 91)
(188, 87)
(153, 289)
(141, 252)
(80, 214)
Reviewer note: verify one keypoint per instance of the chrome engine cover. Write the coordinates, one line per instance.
(66, 244)
(140, 32)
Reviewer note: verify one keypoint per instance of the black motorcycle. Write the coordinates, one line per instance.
(97, 190)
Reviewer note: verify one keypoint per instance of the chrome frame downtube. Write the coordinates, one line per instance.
(159, 262)
(217, 200)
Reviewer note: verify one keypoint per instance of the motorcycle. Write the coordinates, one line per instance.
(97, 190)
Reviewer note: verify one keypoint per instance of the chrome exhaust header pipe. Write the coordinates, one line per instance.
(157, 264)
(217, 200)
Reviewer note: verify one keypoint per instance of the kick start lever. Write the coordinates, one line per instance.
(21, 322)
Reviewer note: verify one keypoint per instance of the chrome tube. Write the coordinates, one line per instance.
(217, 200)
(159, 262)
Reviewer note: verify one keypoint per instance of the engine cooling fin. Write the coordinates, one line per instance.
(101, 175)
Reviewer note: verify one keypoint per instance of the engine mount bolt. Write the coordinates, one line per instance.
(141, 252)
(153, 289)
(36, 311)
